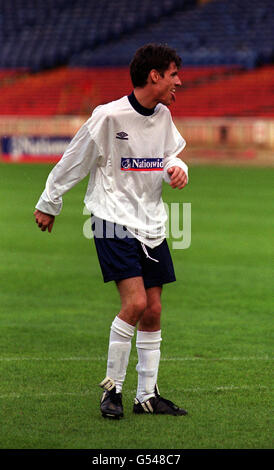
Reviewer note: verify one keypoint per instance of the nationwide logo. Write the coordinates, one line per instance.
(142, 164)
(122, 136)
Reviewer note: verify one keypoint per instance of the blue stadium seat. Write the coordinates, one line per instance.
(88, 33)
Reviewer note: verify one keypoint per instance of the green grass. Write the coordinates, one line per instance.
(217, 322)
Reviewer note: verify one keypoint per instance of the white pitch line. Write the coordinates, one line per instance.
(163, 359)
(226, 358)
(221, 388)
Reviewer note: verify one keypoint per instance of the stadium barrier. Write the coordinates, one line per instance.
(44, 139)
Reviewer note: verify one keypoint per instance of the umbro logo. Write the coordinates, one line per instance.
(122, 136)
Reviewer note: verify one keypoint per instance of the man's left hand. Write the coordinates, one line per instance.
(178, 178)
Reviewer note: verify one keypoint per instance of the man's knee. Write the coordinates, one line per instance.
(139, 304)
(151, 316)
(134, 309)
(154, 310)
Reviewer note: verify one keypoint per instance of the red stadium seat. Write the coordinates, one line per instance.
(206, 91)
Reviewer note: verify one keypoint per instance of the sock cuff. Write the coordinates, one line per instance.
(148, 339)
(122, 328)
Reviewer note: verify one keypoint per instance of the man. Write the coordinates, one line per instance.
(129, 146)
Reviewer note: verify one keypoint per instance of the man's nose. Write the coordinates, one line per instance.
(178, 81)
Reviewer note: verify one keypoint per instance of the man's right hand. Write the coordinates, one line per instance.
(44, 221)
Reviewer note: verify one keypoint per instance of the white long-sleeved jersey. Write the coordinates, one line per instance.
(127, 155)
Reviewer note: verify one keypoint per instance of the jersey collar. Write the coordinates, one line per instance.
(138, 107)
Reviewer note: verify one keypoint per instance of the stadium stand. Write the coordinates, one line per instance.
(245, 94)
(64, 57)
(222, 32)
(48, 33)
(210, 91)
(51, 33)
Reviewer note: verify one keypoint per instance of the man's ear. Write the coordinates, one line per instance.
(154, 76)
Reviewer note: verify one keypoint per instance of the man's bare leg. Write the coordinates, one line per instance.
(133, 299)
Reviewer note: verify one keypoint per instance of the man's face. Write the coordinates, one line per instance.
(167, 85)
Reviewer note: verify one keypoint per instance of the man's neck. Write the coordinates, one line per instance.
(138, 106)
(144, 97)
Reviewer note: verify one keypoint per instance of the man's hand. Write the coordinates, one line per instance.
(178, 178)
(44, 221)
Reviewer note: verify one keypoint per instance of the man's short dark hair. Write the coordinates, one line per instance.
(152, 56)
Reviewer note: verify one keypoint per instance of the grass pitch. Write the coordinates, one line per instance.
(217, 348)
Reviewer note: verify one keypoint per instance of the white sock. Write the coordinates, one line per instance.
(148, 348)
(119, 350)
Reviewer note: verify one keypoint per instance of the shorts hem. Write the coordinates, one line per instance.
(120, 277)
(157, 282)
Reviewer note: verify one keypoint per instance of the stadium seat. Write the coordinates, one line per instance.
(206, 91)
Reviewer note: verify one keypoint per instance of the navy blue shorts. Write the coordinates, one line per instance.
(126, 257)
